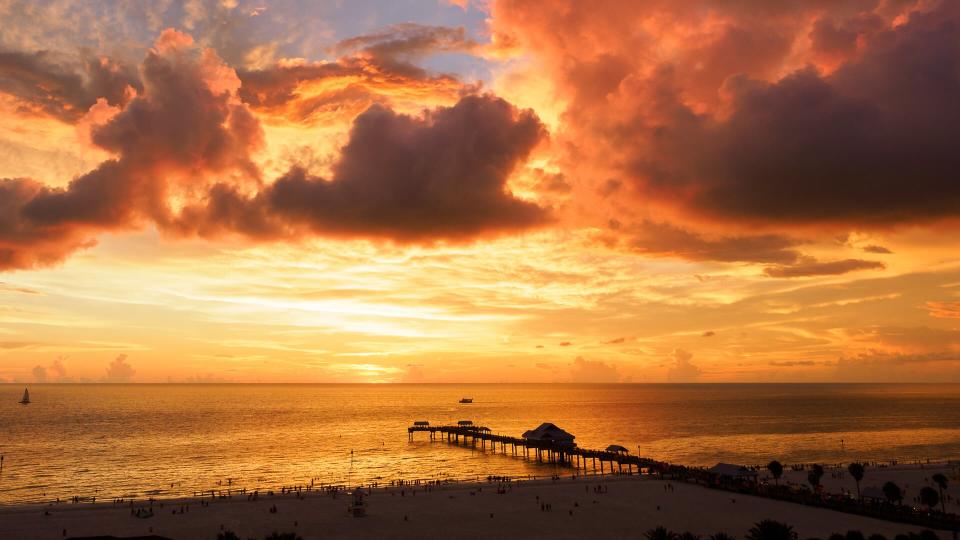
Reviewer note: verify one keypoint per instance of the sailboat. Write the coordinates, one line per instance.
(26, 397)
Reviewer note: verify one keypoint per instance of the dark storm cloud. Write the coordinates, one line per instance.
(872, 143)
(47, 83)
(399, 177)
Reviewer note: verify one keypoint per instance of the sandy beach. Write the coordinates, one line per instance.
(622, 506)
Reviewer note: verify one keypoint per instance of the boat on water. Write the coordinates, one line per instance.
(466, 400)
(26, 397)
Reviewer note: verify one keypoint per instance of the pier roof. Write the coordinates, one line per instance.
(548, 432)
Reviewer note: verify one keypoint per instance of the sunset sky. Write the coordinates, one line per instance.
(480, 191)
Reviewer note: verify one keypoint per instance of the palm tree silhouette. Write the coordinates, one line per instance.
(893, 493)
(722, 536)
(929, 497)
(776, 470)
(941, 481)
(814, 476)
(856, 470)
(769, 529)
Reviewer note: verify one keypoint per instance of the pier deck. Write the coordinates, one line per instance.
(565, 454)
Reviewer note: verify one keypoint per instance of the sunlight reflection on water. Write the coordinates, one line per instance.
(169, 440)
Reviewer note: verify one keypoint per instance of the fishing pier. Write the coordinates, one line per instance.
(546, 444)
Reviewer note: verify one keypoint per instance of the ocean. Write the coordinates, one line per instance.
(173, 440)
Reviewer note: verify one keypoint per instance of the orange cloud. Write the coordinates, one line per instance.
(186, 127)
(813, 267)
(45, 83)
(944, 310)
(375, 68)
(183, 161)
(729, 114)
(399, 177)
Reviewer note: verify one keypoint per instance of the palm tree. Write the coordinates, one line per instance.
(856, 470)
(941, 481)
(722, 536)
(929, 497)
(769, 529)
(892, 492)
(776, 470)
(877, 536)
(227, 535)
(660, 533)
(689, 536)
(814, 476)
(854, 535)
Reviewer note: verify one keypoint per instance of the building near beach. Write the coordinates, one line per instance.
(733, 471)
(548, 432)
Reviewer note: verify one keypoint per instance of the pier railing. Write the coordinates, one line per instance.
(547, 451)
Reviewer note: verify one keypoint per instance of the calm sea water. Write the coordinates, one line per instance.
(169, 440)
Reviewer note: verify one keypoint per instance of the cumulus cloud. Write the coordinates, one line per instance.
(186, 127)
(864, 140)
(593, 371)
(399, 177)
(39, 374)
(119, 371)
(315, 92)
(183, 162)
(836, 147)
(59, 86)
(375, 68)
(683, 370)
(55, 372)
(414, 373)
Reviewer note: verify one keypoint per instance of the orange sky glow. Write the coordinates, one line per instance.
(480, 191)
